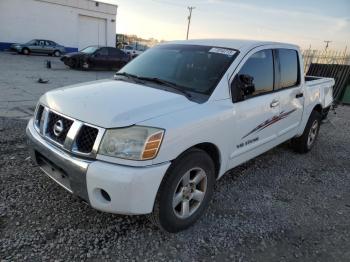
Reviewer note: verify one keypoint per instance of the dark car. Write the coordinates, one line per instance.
(96, 57)
(39, 46)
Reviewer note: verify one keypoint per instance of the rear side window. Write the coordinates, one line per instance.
(260, 67)
(289, 68)
(115, 52)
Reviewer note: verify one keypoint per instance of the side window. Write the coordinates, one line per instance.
(103, 51)
(115, 52)
(42, 42)
(289, 68)
(256, 76)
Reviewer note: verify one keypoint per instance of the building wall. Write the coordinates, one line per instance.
(57, 20)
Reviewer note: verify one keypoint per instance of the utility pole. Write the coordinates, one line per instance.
(327, 44)
(190, 8)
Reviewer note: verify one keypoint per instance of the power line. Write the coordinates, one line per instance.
(190, 8)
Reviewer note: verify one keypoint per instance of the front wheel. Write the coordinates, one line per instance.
(185, 191)
(306, 141)
(25, 51)
(85, 65)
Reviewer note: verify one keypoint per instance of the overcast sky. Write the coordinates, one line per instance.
(301, 22)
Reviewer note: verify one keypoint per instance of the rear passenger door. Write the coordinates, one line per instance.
(49, 47)
(117, 58)
(256, 113)
(290, 91)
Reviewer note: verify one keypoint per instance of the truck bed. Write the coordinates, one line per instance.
(316, 80)
(322, 86)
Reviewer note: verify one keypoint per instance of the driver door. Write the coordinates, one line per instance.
(35, 47)
(256, 112)
(100, 58)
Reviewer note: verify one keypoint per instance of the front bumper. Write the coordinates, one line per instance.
(130, 190)
(15, 48)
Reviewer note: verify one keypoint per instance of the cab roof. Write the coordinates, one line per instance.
(238, 44)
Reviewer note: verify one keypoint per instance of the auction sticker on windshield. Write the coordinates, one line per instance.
(224, 51)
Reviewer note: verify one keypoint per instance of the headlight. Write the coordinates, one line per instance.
(134, 143)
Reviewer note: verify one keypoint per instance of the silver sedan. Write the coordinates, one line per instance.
(39, 46)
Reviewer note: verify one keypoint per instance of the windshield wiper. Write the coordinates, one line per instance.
(134, 77)
(155, 80)
(168, 84)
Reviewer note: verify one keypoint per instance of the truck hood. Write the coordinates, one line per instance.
(113, 103)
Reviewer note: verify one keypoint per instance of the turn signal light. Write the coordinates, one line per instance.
(152, 146)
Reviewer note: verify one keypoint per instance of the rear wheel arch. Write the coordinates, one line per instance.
(162, 214)
(317, 108)
(57, 53)
(301, 144)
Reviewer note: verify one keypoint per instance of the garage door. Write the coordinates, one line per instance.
(92, 31)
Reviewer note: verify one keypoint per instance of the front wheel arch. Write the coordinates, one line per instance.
(161, 215)
(214, 153)
(211, 149)
(24, 49)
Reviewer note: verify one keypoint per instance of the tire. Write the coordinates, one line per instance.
(85, 65)
(170, 212)
(74, 63)
(25, 51)
(306, 141)
(57, 53)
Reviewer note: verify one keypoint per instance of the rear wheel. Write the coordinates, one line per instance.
(306, 141)
(57, 53)
(185, 191)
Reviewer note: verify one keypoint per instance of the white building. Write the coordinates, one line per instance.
(72, 23)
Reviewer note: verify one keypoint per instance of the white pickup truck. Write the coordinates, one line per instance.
(154, 139)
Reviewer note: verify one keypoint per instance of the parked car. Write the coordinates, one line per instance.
(132, 51)
(39, 46)
(174, 120)
(96, 57)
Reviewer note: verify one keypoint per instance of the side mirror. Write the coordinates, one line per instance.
(242, 86)
(247, 86)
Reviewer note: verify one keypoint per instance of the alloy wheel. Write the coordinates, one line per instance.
(190, 192)
(312, 134)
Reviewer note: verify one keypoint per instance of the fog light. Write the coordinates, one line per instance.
(105, 195)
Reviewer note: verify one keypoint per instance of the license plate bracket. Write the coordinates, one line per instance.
(54, 172)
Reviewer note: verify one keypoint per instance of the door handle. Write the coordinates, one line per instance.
(299, 95)
(274, 103)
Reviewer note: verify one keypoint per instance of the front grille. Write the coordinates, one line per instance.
(55, 127)
(39, 115)
(86, 139)
(66, 124)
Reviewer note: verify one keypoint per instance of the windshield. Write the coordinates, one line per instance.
(31, 42)
(194, 68)
(89, 49)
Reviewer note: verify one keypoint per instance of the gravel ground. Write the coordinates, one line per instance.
(19, 87)
(281, 206)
